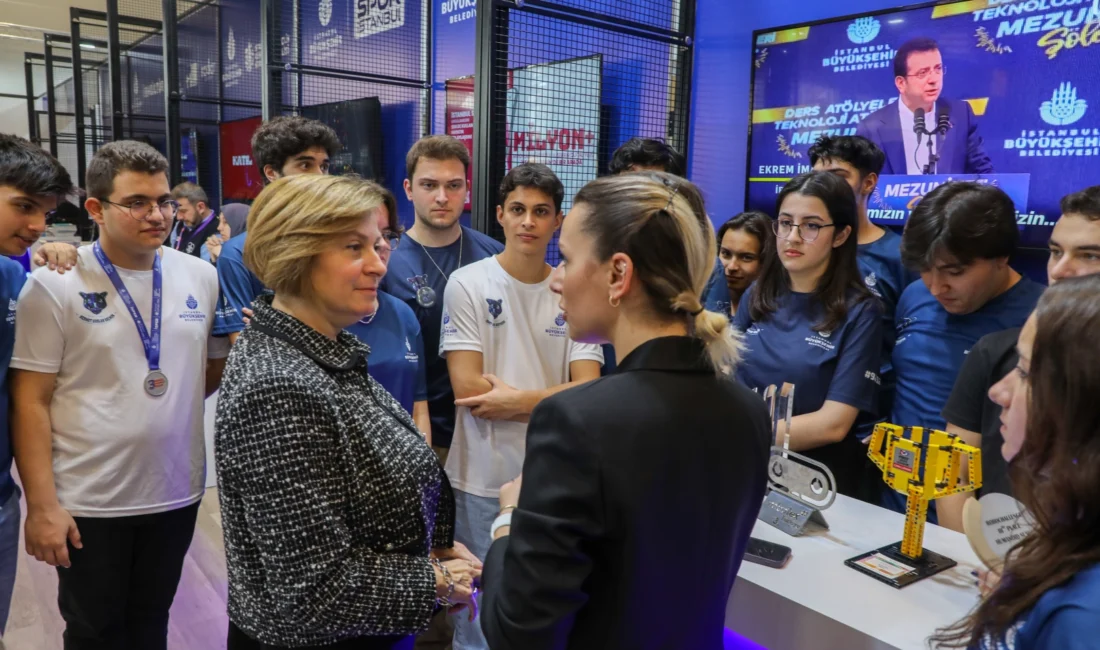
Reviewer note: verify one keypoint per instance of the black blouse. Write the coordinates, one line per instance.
(331, 501)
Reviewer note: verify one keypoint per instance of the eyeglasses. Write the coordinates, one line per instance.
(392, 239)
(140, 209)
(923, 74)
(808, 232)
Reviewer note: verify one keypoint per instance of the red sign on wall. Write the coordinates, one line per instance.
(241, 179)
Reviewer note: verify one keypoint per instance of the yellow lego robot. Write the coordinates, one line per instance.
(923, 466)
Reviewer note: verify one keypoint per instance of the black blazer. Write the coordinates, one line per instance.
(640, 490)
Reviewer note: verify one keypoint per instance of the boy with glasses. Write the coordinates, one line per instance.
(112, 365)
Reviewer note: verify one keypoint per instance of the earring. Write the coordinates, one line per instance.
(613, 301)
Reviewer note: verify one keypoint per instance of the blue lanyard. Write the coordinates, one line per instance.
(151, 343)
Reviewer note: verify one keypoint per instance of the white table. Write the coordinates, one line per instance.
(818, 603)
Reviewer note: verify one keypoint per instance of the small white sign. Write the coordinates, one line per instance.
(1004, 522)
(885, 566)
(375, 16)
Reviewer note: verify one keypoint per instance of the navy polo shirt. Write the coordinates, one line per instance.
(239, 287)
(840, 365)
(396, 358)
(1066, 617)
(12, 278)
(886, 277)
(932, 344)
(412, 266)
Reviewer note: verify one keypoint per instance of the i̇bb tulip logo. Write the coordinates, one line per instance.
(1064, 107)
(864, 30)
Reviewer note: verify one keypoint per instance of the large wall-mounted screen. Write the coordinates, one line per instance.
(1010, 93)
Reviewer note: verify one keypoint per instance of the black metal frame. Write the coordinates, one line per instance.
(685, 73)
(75, 17)
(114, 66)
(170, 46)
(492, 18)
(78, 19)
(32, 114)
(268, 56)
(492, 65)
(428, 15)
(51, 109)
(78, 93)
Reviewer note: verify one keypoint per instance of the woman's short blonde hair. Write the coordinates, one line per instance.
(296, 218)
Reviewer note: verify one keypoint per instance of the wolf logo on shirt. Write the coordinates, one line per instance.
(496, 307)
(94, 302)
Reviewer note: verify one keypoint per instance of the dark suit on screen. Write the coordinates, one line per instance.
(961, 150)
(640, 491)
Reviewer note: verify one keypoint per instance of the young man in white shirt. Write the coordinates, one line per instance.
(112, 364)
(506, 346)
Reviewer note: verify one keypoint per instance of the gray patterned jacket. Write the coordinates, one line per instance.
(331, 500)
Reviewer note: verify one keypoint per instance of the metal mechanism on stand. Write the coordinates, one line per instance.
(799, 487)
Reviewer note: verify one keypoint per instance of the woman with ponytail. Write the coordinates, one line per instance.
(1049, 595)
(639, 489)
(810, 321)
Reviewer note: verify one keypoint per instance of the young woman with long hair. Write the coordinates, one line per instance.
(1049, 595)
(809, 320)
(639, 489)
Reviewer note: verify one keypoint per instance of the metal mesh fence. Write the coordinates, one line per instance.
(199, 61)
(572, 80)
(360, 67)
(654, 14)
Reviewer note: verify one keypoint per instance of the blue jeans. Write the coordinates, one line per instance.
(474, 517)
(9, 553)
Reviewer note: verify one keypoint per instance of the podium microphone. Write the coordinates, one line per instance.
(943, 121)
(918, 124)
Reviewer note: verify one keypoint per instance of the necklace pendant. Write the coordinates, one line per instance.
(425, 296)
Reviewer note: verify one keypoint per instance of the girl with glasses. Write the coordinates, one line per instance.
(809, 320)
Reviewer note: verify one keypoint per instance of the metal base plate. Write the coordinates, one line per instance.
(888, 564)
(791, 515)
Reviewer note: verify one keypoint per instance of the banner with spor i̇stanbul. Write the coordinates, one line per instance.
(1027, 70)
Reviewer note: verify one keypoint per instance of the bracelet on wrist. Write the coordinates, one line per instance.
(445, 601)
(505, 509)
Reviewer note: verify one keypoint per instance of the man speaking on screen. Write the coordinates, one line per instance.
(921, 115)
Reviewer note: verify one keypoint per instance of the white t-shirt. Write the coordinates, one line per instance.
(118, 451)
(519, 330)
